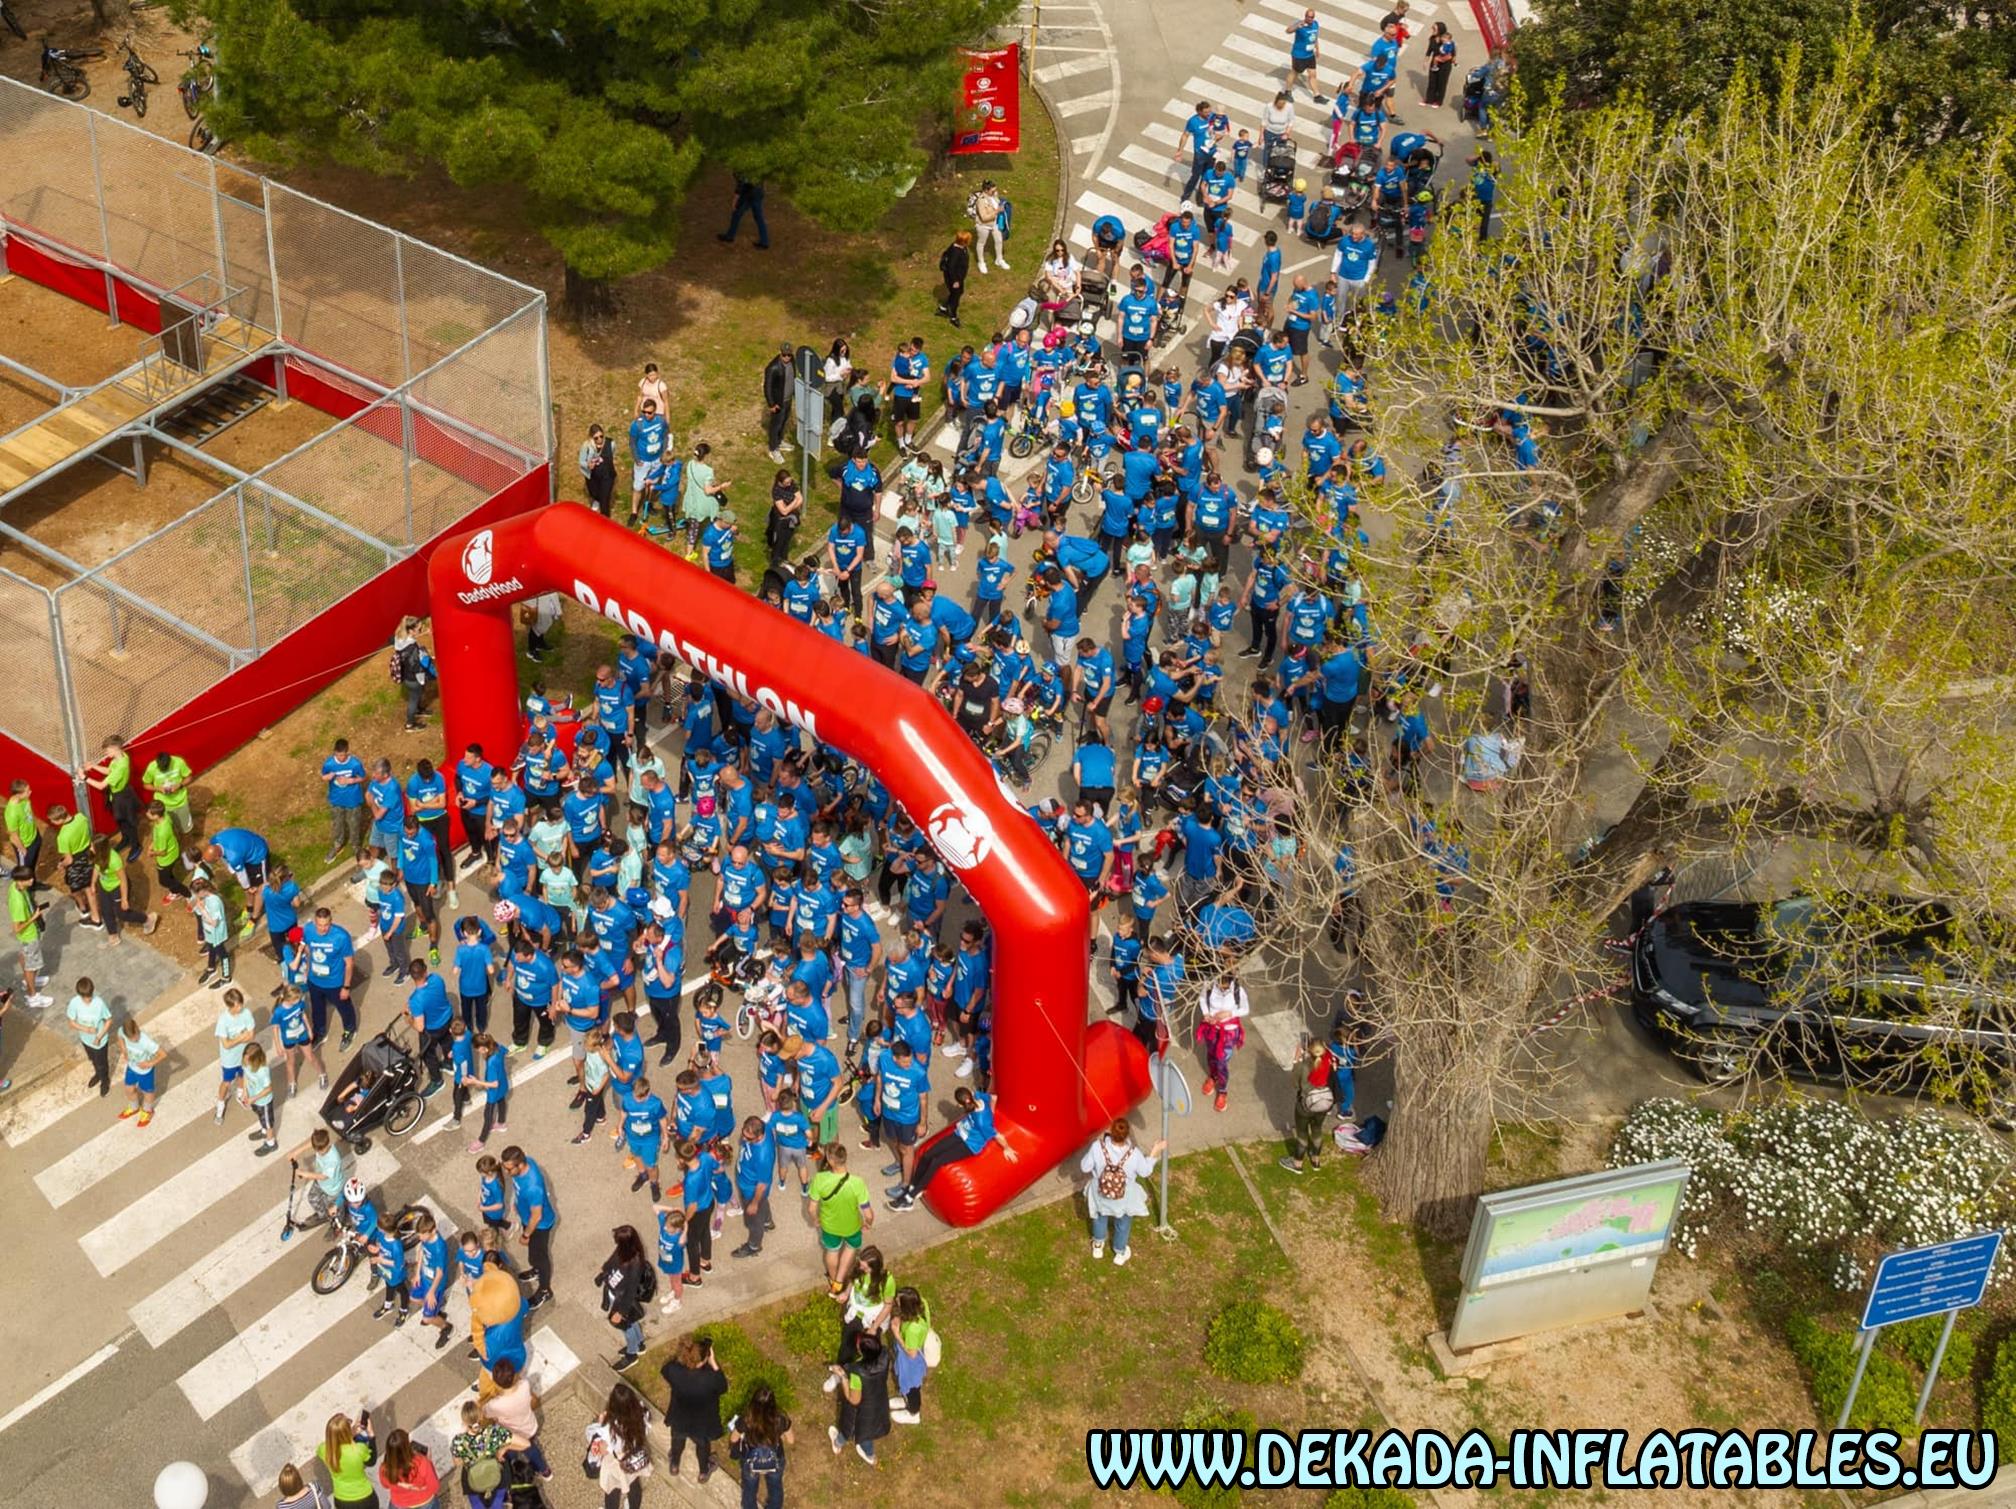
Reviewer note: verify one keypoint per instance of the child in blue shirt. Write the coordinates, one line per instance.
(1298, 202)
(1242, 149)
(1221, 242)
(792, 1133)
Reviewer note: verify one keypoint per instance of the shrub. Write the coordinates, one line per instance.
(1369, 1498)
(1998, 1400)
(1252, 1342)
(1888, 1397)
(1820, 1178)
(745, 1367)
(1193, 1494)
(812, 1331)
(1919, 1339)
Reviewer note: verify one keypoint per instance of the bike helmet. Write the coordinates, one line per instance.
(353, 1192)
(504, 911)
(663, 908)
(1263, 457)
(1012, 706)
(704, 806)
(1301, 185)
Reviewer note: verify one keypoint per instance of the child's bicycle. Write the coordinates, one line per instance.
(762, 1004)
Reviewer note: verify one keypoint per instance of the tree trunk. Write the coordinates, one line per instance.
(588, 298)
(1430, 1169)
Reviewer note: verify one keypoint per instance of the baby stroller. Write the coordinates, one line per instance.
(1172, 300)
(1153, 245)
(1473, 92)
(1277, 172)
(1351, 179)
(1095, 300)
(1421, 165)
(380, 1085)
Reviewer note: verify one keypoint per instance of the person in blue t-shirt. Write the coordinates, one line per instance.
(649, 435)
(344, 776)
(1139, 317)
(969, 1138)
(533, 1202)
(718, 541)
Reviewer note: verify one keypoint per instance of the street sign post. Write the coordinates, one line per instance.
(1174, 1092)
(808, 411)
(1942, 1279)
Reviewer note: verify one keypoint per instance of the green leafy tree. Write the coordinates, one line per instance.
(601, 112)
(1757, 576)
(1941, 73)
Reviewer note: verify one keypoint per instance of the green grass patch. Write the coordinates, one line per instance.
(1250, 1341)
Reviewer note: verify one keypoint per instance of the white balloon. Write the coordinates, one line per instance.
(181, 1485)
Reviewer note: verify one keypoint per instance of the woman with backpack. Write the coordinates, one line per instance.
(628, 1285)
(1114, 1196)
(757, 1438)
(617, 1450)
(1317, 1093)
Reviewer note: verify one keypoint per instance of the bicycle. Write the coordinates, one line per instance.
(60, 73)
(140, 75)
(201, 137)
(11, 21)
(200, 79)
(334, 1267)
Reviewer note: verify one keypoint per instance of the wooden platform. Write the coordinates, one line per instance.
(149, 385)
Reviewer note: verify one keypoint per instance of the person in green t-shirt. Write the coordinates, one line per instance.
(167, 778)
(73, 857)
(26, 916)
(115, 779)
(114, 899)
(165, 849)
(841, 1202)
(23, 834)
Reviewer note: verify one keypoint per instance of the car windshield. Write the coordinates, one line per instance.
(1791, 923)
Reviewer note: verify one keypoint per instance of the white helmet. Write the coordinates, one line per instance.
(353, 1192)
(1264, 456)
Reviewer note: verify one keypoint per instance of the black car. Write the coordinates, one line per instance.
(1881, 991)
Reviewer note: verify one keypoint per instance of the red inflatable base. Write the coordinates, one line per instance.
(1116, 1080)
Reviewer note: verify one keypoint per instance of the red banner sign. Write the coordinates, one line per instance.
(990, 102)
(1494, 19)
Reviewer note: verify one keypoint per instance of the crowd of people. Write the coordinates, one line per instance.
(1177, 532)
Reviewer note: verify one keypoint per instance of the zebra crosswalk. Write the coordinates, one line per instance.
(184, 1224)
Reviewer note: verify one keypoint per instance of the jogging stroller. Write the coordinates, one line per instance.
(1095, 300)
(1277, 172)
(380, 1085)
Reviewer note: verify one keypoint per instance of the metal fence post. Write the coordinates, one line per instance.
(273, 276)
(104, 222)
(73, 726)
(407, 446)
(223, 257)
(399, 280)
(245, 559)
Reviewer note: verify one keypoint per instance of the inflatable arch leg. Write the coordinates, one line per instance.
(1056, 1081)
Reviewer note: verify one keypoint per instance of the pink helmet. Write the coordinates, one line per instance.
(704, 806)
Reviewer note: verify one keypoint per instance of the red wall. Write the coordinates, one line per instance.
(213, 724)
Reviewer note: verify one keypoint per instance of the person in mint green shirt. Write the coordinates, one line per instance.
(700, 502)
(93, 1020)
(256, 1092)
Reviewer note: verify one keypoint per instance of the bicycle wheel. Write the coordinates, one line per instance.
(1039, 748)
(746, 1017)
(846, 1095)
(1022, 446)
(407, 1223)
(201, 139)
(140, 99)
(72, 86)
(334, 1269)
(191, 97)
(145, 74)
(13, 22)
(405, 1114)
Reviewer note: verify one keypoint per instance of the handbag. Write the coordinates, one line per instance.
(934, 1349)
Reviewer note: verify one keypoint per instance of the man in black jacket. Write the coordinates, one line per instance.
(777, 399)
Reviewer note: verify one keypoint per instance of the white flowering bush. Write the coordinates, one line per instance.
(1823, 1179)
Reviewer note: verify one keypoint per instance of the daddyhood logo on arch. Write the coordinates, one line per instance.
(479, 562)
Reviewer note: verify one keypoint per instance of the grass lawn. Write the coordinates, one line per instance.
(1041, 1343)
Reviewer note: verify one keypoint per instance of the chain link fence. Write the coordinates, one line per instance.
(445, 361)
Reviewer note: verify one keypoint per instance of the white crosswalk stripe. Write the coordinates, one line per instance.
(171, 1205)
(185, 1102)
(1071, 67)
(261, 1349)
(551, 1361)
(1242, 73)
(228, 1267)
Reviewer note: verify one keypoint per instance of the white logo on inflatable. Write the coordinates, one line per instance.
(962, 836)
(478, 559)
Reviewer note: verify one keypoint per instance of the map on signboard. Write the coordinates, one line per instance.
(1580, 1230)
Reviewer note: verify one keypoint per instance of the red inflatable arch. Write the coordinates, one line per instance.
(1057, 1081)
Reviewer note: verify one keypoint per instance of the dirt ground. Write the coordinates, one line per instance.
(1693, 1360)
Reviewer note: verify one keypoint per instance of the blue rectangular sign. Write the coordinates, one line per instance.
(1931, 1280)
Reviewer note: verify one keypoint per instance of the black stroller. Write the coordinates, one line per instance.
(380, 1085)
(1351, 179)
(1095, 300)
(1277, 172)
